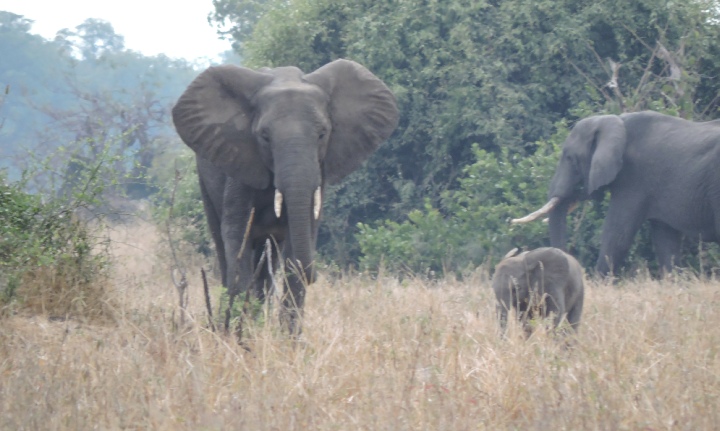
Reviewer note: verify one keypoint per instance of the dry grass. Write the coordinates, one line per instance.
(375, 355)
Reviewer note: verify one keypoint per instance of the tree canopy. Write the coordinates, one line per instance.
(84, 86)
(491, 75)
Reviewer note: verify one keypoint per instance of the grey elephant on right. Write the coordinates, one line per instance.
(537, 283)
(656, 167)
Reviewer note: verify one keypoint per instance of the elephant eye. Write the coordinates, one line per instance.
(322, 135)
(265, 135)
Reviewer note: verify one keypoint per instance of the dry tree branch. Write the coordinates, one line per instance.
(614, 85)
(182, 284)
(206, 290)
(639, 39)
(646, 73)
(591, 82)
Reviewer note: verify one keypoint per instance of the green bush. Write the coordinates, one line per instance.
(178, 205)
(51, 261)
(472, 225)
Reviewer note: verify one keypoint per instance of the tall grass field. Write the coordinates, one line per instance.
(375, 354)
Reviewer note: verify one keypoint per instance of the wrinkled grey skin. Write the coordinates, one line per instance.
(657, 167)
(537, 283)
(258, 131)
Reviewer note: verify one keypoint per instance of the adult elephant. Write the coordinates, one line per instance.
(657, 167)
(267, 142)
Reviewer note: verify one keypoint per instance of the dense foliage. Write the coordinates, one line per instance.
(51, 258)
(483, 75)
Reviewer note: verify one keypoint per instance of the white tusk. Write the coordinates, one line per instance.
(572, 208)
(511, 253)
(317, 203)
(278, 203)
(539, 213)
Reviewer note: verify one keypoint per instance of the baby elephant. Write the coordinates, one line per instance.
(539, 282)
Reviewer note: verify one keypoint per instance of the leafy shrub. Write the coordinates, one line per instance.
(472, 225)
(179, 203)
(51, 261)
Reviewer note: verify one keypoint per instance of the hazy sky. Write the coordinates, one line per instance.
(177, 28)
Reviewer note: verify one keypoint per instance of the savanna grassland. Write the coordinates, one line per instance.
(374, 355)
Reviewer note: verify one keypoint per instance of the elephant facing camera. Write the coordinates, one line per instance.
(267, 143)
(538, 284)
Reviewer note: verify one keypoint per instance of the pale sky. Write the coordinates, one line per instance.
(176, 28)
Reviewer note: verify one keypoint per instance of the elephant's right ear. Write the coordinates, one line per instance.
(610, 143)
(214, 118)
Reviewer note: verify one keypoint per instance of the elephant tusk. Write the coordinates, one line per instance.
(511, 253)
(278, 203)
(539, 213)
(317, 203)
(572, 208)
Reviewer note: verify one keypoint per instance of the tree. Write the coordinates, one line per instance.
(237, 18)
(495, 74)
(91, 39)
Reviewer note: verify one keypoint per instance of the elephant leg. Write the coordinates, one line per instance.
(293, 301)
(573, 315)
(213, 219)
(666, 242)
(261, 266)
(266, 271)
(555, 305)
(293, 298)
(240, 262)
(296, 282)
(502, 315)
(623, 220)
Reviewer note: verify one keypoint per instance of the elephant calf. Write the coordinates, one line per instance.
(537, 283)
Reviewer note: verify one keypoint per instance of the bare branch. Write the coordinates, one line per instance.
(613, 83)
(675, 70)
(181, 285)
(590, 81)
(207, 300)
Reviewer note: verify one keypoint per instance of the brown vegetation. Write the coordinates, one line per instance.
(374, 355)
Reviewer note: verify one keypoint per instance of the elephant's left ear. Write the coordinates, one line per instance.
(363, 112)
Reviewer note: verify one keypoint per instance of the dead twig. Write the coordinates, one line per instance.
(182, 284)
(206, 290)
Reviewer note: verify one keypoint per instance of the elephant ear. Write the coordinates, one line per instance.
(363, 112)
(610, 143)
(214, 118)
(547, 265)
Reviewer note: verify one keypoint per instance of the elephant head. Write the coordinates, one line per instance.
(287, 130)
(530, 270)
(591, 158)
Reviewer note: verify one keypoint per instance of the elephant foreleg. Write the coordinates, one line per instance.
(554, 305)
(502, 315)
(573, 315)
(666, 242)
(293, 298)
(623, 220)
(212, 214)
(236, 226)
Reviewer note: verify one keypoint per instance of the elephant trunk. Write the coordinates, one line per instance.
(298, 179)
(300, 221)
(557, 225)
